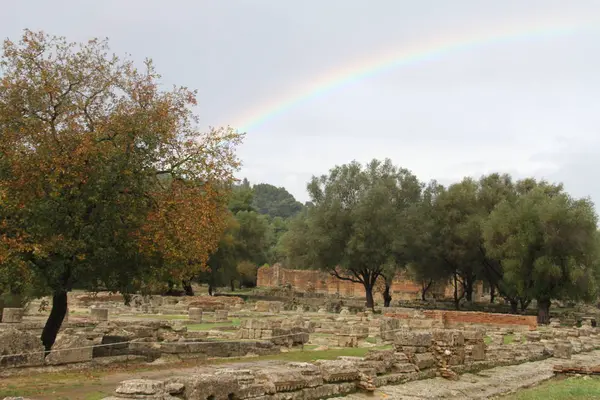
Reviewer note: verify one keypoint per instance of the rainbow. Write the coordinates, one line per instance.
(420, 52)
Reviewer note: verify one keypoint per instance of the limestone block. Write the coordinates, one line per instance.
(473, 336)
(140, 387)
(347, 341)
(12, 315)
(407, 338)
(424, 360)
(70, 349)
(300, 309)
(344, 311)
(99, 314)
(195, 314)
(476, 351)
(261, 306)
(450, 337)
(533, 336)
(563, 350)
(221, 315)
(20, 349)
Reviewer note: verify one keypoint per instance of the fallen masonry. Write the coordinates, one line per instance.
(416, 355)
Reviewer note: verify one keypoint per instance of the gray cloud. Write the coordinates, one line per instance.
(528, 106)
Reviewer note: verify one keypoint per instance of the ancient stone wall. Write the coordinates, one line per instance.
(321, 282)
(457, 319)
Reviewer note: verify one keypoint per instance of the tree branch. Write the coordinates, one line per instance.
(345, 278)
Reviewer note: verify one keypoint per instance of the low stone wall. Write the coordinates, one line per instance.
(417, 355)
(458, 319)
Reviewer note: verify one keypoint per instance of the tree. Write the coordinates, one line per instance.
(427, 264)
(105, 180)
(547, 243)
(458, 234)
(244, 240)
(357, 224)
(274, 201)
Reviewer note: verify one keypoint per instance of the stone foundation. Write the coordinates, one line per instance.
(12, 315)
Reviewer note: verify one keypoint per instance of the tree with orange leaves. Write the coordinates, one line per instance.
(105, 180)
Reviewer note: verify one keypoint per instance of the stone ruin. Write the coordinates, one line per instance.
(417, 354)
(288, 332)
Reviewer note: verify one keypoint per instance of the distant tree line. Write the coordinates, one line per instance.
(526, 239)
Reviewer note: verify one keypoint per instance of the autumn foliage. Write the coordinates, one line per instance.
(105, 180)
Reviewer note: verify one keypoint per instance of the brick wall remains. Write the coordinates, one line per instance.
(321, 282)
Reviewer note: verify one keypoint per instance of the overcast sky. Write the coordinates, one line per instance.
(528, 106)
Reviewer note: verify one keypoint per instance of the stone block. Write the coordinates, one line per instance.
(195, 314)
(221, 315)
(407, 338)
(137, 387)
(71, 349)
(20, 349)
(473, 336)
(12, 315)
(449, 337)
(563, 350)
(99, 314)
(424, 360)
(476, 352)
(347, 341)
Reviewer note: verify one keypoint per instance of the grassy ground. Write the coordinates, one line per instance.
(576, 388)
(96, 384)
(205, 326)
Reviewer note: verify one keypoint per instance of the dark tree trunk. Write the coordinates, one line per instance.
(187, 288)
(425, 289)
(543, 312)
(387, 296)
(514, 304)
(456, 298)
(232, 284)
(524, 304)
(55, 319)
(369, 296)
(210, 289)
(468, 288)
(492, 293)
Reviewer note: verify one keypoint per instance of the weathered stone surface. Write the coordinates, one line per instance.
(449, 337)
(140, 387)
(99, 314)
(337, 370)
(563, 350)
(475, 352)
(71, 349)
(195, 314)
(12, 315)
(424, 360)
(221, 315)
(407, 338)
(20, 349)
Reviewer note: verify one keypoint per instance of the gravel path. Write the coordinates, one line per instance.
(484, 385)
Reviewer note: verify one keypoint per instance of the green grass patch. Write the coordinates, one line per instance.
(576, 388)
(206, 326)
(298, 355)
(487, 340)
(508, 339)
(371, 340)
(162, 316)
